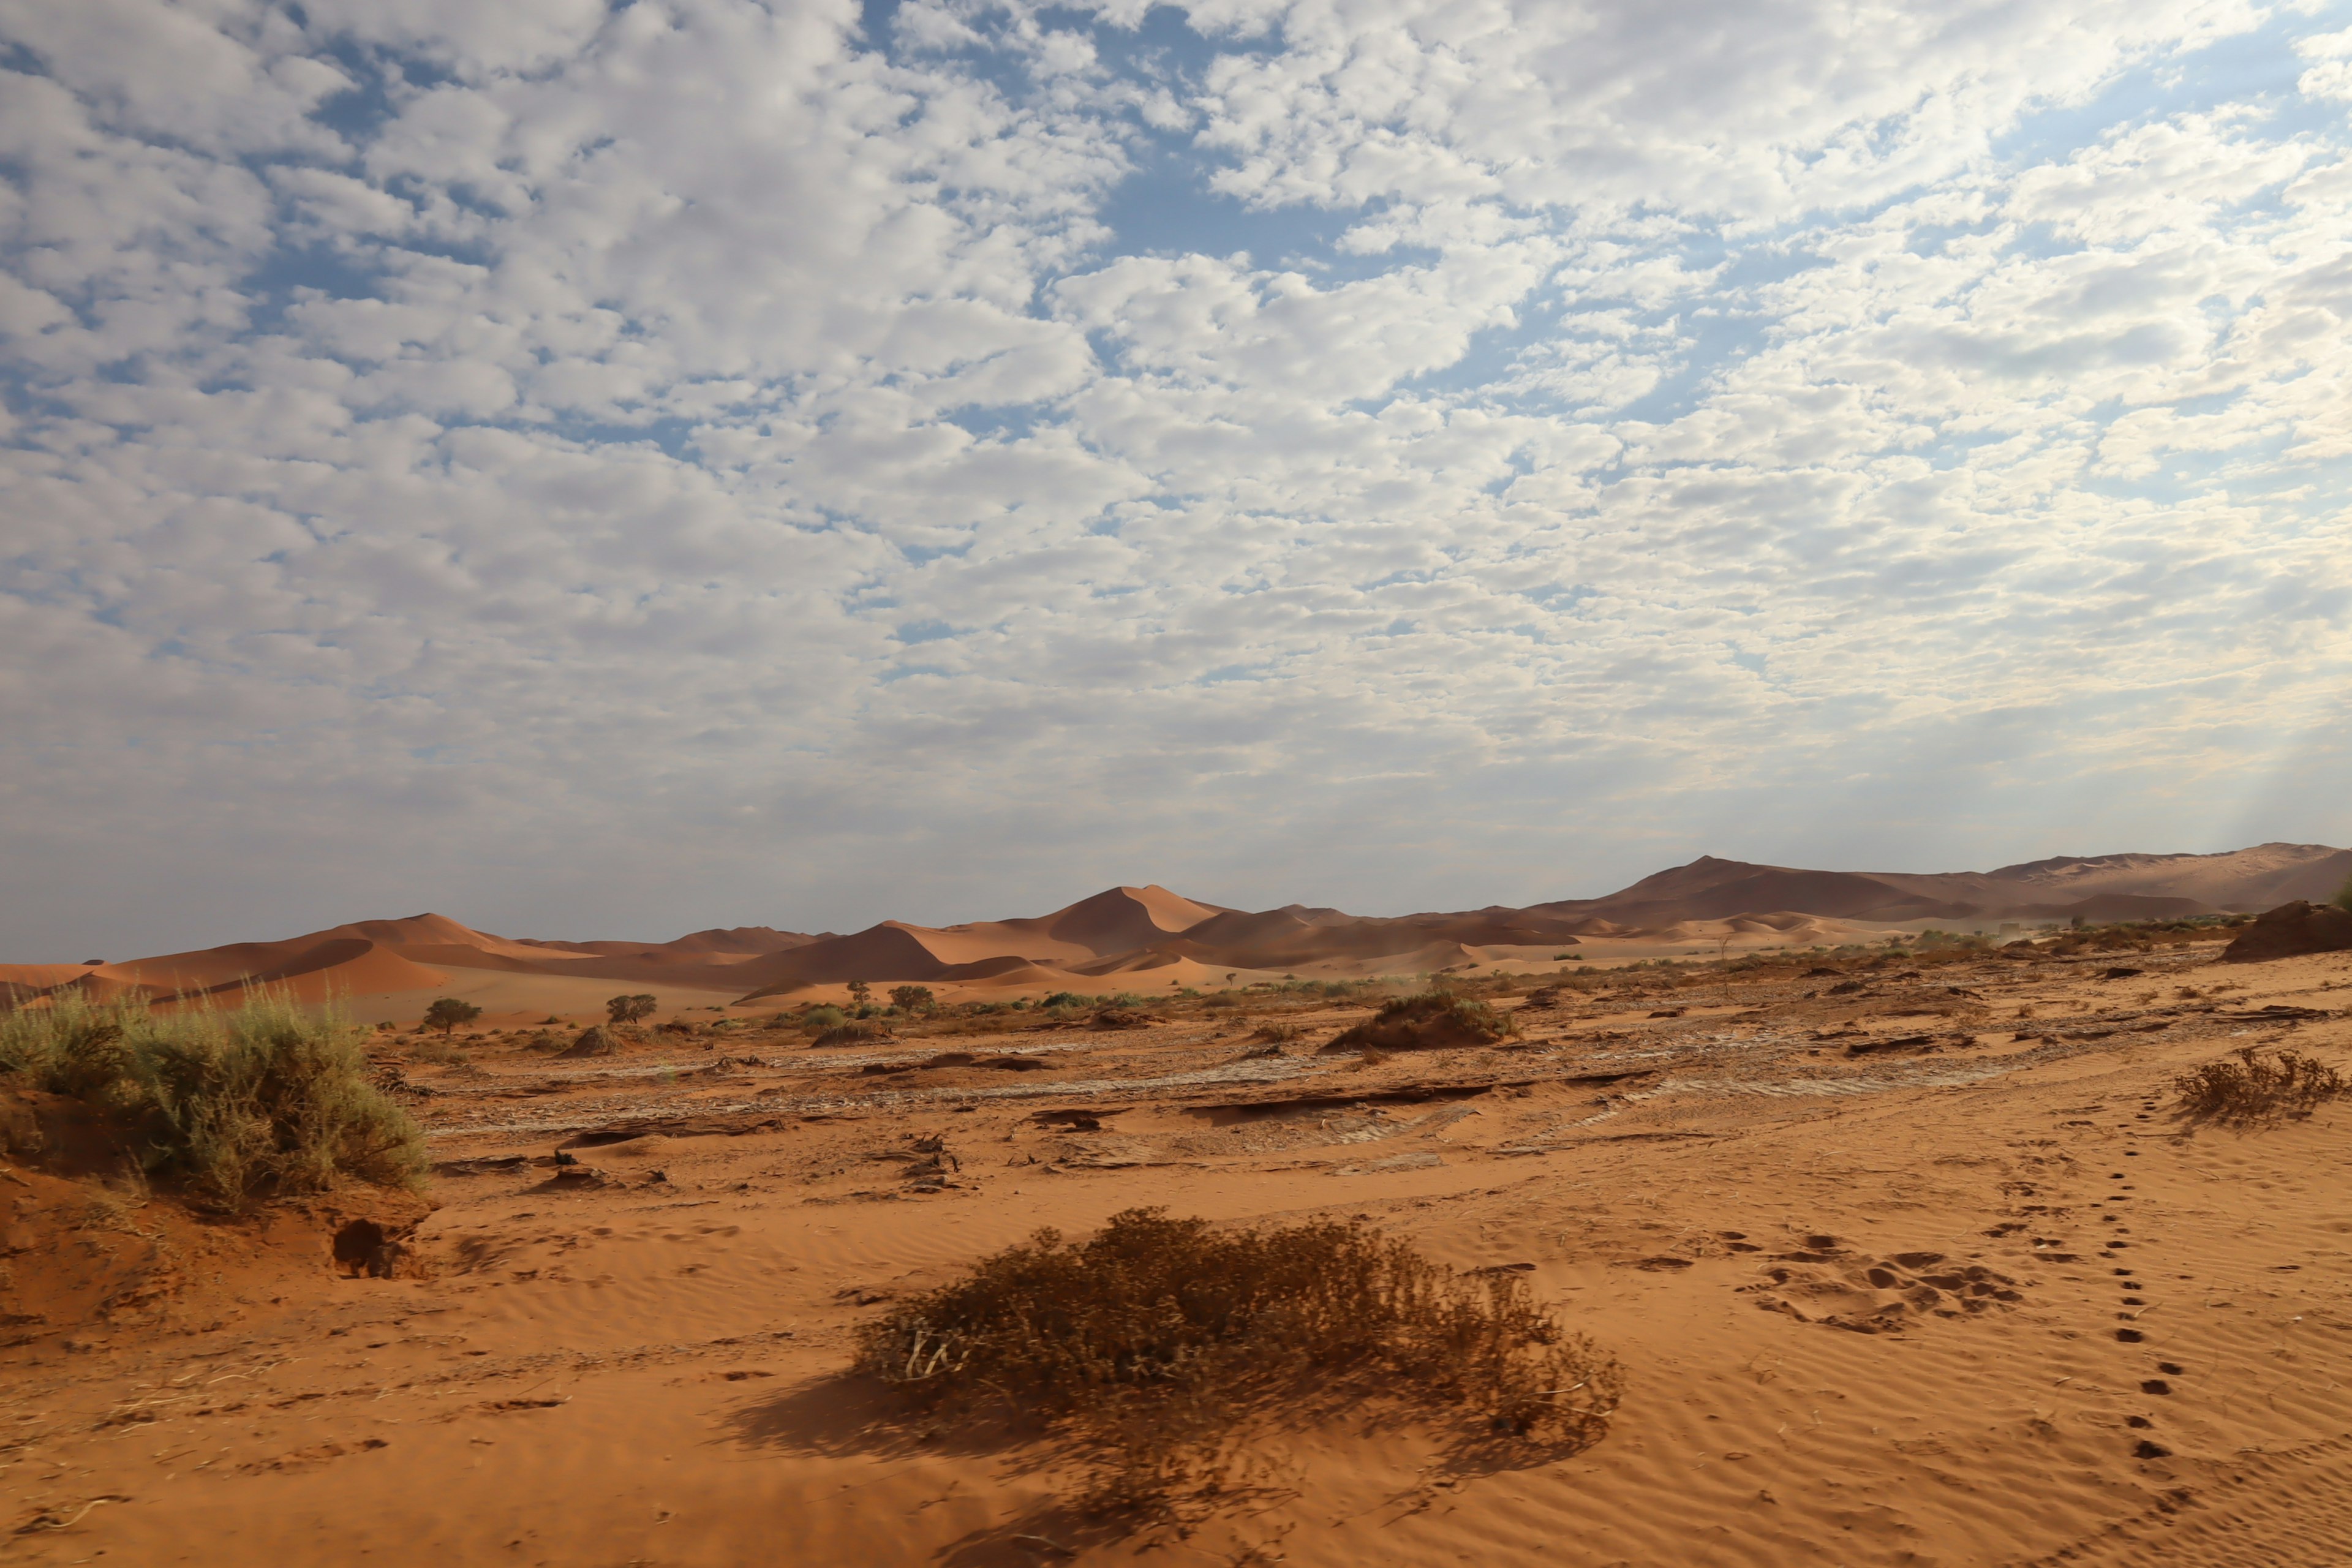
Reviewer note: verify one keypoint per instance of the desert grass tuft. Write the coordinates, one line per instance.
(264, 1100)
(1155, 1345)
(2251, 1088)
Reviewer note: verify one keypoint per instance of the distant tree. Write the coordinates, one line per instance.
(446, 1012)
(911, 998)
(629, 1009)
(860, 993)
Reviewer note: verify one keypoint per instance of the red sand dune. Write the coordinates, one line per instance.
(1149, 936)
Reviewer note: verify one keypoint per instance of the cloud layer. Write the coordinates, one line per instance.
(600, 469)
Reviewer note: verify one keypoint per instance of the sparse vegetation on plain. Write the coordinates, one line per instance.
(630, 1009)
(1158, 1343)
(2251, 1088)
(855, 1032)
(263, 1101)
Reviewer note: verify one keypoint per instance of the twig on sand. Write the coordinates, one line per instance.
(47, 1521)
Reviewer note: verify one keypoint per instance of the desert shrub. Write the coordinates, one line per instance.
(2250, 1087)
(823, 1019)
(630, 1009)
(856, 1032)
(446, 1012)
(1275, 1032)
(265, 1099)
(2343, 898)
(1157, 1344)
(1434, 1020)
(911, 998)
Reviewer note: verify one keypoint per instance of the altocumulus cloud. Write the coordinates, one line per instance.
(598, 469)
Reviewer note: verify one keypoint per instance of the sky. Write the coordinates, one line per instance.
(610, 470)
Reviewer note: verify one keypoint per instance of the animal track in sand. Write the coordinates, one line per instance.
(1875, 1295)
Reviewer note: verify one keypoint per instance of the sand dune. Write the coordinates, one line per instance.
(1149, 938)
(731, 942)
(2107, 888)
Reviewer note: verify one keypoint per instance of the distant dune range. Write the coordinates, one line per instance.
(1137, 938)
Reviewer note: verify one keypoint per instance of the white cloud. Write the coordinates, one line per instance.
(682, 463)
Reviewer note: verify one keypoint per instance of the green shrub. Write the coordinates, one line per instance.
(1158, 1343)
(2343, 899)
(820, 1019)
(267, 1099)
(448, 1012)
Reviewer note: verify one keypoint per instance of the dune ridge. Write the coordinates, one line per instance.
(1151, 935)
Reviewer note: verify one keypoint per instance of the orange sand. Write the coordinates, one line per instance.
(647, 1371)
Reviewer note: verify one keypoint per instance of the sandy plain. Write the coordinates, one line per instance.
(1729, 1180)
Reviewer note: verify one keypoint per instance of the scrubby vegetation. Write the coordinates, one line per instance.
(265, 1099)
(1156, 1345)
(1434, 1020)
(856, 1032)
(2251, 1089)
(446, 1012)
(2343, 899)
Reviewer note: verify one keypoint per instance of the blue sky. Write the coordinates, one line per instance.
(605, 469)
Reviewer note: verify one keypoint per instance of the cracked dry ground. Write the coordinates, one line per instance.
(1924, 1270)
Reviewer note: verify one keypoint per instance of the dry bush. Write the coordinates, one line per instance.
(1274, 1031)
(267, 1099)
(856, 1032)
(1155, 1346)
(1434, 1020)
(2251, 1089)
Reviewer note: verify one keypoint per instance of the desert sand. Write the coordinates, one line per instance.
(2139, 1352)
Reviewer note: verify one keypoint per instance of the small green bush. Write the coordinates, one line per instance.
(820, 1019)
(630, 1009)
(448, 1012)
(267, 1099)
(2343, 899)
